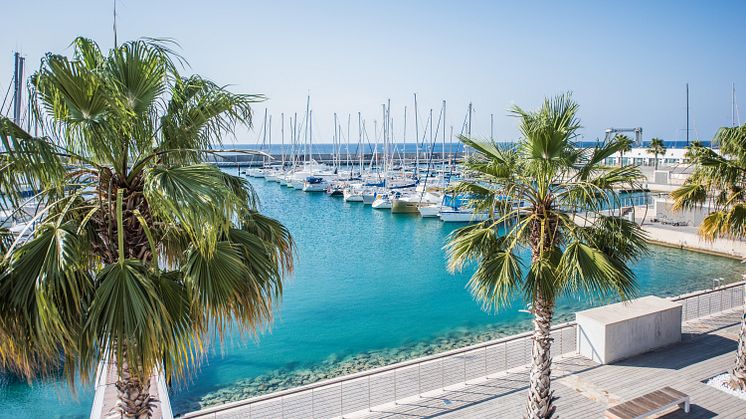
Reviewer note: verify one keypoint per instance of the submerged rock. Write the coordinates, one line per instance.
(334, 366)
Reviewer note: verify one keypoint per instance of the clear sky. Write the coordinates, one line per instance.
(626, 62)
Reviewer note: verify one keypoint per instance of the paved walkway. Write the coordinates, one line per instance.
(585, 389)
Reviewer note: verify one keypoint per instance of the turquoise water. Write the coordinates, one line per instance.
(370, 287)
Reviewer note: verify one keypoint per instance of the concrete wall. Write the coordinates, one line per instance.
(617, 331)
(687, 238)
(663, 211)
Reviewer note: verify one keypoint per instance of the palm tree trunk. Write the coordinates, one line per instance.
(134, 396)
(656, 161)
(540, 396)
(738, 375)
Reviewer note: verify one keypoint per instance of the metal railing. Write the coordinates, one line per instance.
(367, 389)
(704, 303)
(364, 390)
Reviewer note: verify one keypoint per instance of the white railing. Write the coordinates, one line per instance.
(382, 385)
(367, 389)
(704, 303)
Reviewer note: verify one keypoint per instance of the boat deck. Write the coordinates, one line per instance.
(585, 389)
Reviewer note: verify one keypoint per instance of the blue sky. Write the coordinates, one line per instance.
(626, 62)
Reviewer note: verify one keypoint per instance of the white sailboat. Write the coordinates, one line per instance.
(461, 215)
(382, 201)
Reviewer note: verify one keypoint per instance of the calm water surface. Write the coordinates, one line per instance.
(365, 281)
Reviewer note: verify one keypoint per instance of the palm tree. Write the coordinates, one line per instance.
(656, 147)
(140, 253)
(694, 147)
(626, 146)
(573, 247)
(719, 180)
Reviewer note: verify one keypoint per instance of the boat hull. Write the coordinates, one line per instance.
(352, 197)
(382, 204)
(461, 217)
(315, 187)
(399, 206)
(430, 211)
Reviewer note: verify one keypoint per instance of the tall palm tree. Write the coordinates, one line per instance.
(656, 148)
(720, 181)
(626, 146)
(140, 254)
(573, 247)
(694, 147)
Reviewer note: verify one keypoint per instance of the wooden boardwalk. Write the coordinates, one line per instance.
(585, 389)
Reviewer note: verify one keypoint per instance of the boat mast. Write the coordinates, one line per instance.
(450, 150)
(375, 149)
(17, 87)
(360, 141)
(347, 160)
(492, 127)
(443, 137)
(308, 113)
(264, 135)
(295, 139)
(404, 141)
(733, 106)
(386, 127)
(432, 142)
(282, 139)
(416, 138)
(687, 114)
(335, 154)
(468, 128)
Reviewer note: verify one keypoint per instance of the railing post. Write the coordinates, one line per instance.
(395, 399)
(370, 408)
(505, 354)
(341, 401)
(442, 374)
(419, 379)
(485, 361)
(722, 303)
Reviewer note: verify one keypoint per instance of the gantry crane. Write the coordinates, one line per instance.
(638, 133)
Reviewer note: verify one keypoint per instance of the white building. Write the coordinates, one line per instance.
(640, 156)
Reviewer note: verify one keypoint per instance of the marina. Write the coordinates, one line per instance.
(334, 311)
(352, 210)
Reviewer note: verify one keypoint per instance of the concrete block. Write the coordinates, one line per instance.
(617, 331)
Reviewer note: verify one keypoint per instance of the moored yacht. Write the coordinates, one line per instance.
(353, 193)
(461, 215)
(382, 201)
(315, 184)
(411, 203)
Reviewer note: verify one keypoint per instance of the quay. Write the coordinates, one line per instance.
(490, 379)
